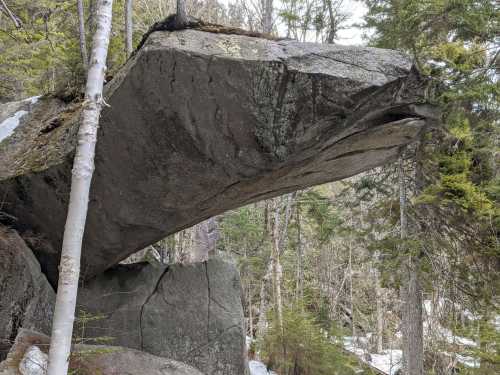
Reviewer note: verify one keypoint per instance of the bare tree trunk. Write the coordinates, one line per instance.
(182, 18)
(81, 32)
(411, 295)
(262, 323)
(332, 31)
(267, 16)
(128, 27)
(83, 168)
(299, 289)
(279, 242)
(351, 299)
(380, 313)
(205, 240)
(250, 313)
(15, 19)
(277, 272)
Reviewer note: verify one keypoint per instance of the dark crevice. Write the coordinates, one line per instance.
(352, 64)
(218, 304)
(384, 119)
(155, 290)
(358, 152)
(221, 192)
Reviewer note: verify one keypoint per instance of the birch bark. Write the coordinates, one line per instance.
(83, 168)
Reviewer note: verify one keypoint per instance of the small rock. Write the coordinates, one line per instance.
(34, 362)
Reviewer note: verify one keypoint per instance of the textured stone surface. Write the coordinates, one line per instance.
(26, 298)
(189, 313)
(97, 359)
(200, 123)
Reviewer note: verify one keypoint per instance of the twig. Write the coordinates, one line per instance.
(12, 16)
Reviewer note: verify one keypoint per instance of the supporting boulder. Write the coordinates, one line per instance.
(189, 313)
(26, 297)
(92, 359)
(199, 123)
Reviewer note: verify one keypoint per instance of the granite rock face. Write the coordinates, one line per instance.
(199, 123)
(95, 359)
(188, 313)
(26, 297)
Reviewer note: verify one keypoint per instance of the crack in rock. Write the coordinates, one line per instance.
(155, 290)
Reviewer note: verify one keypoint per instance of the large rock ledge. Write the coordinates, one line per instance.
(199, 123)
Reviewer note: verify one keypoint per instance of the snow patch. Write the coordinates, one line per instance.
(8, 126)
(496, 322)
(34, 362)
(466, 360)
(258, 368)
(388, 362)
(33, 99)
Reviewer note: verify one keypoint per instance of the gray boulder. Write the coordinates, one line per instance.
(199, 123)
(189, 313)
(95, 359)
(26, 297)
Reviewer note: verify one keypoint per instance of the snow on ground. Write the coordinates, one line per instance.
(455, 340)
(466, 360)
(258, 368)
(389, 361)
(442, 332)
(8, 126)
(33, 99)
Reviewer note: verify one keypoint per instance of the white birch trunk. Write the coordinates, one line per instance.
(83, 168)
(128, 27)
(81, 32)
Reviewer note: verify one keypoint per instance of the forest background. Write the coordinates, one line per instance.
(354, 266)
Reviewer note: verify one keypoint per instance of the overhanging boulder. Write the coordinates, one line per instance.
(199, 123)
